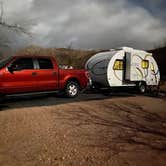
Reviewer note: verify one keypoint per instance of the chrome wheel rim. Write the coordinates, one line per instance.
(142, 88)
(72, 89)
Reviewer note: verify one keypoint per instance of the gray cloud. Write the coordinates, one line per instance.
(87, 23)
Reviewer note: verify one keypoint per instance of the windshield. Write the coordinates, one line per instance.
(4, 61)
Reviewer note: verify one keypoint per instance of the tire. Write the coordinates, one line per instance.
(2, 98)
(142, 88)
(155, 90)
(72, 89)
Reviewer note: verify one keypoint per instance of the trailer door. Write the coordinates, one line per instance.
(127, 66)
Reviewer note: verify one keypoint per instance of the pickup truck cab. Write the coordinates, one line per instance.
(23, 74)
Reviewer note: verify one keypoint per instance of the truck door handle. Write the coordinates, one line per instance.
(54, 73)
(34, 74)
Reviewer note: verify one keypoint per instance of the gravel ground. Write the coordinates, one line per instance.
(117, 130)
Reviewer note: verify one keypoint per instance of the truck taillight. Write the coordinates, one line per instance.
(87, 74)
(89, 78)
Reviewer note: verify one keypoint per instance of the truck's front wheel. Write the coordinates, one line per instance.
(72, 89)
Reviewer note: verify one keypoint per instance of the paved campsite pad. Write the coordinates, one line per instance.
(111, 131)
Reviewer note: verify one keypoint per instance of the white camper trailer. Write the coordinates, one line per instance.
(124, 67)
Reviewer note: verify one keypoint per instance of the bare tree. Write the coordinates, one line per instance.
(7, 30)
(15, 27)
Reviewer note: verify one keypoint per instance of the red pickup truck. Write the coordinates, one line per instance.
(22, 74)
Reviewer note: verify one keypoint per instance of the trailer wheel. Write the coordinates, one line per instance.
(72, 89)
(142, 87)
(155, 90)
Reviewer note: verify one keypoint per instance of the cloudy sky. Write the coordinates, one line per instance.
(87, 24)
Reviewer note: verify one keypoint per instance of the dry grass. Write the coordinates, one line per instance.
(64, 56)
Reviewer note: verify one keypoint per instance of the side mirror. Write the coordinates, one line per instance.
(10, 69)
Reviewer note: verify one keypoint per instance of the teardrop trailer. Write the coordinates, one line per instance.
(124, 67)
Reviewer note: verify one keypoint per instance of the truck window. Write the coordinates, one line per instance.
(145, 64)
(23, 64)
(118, 65)
(45, 63)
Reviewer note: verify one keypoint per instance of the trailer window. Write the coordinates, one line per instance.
(152, 67)
(118, 65)
(145, 64)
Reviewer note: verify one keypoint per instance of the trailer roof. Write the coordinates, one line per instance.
(129, 49)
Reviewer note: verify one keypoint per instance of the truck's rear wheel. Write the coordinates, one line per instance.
(142, 87)
(72, 89)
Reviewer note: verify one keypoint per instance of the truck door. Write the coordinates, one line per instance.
(21, 79)
(46, 74)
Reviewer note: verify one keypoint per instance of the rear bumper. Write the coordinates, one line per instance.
(88, 86)
(89, 82)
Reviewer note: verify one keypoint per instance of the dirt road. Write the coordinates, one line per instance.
(94, 129)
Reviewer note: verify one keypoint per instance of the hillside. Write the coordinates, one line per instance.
(160, 56)
(64, 56)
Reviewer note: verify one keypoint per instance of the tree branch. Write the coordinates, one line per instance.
(1, 16)
(15, 27)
